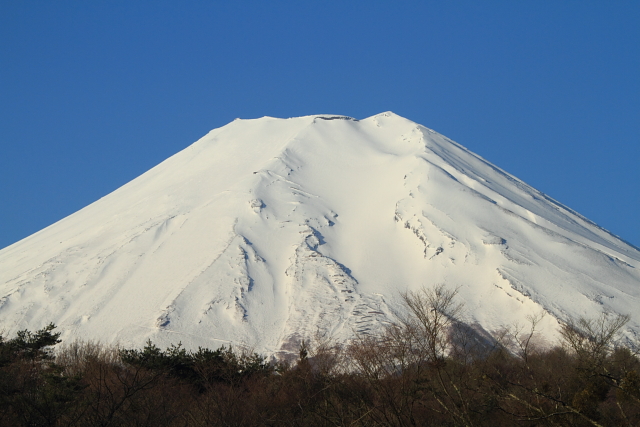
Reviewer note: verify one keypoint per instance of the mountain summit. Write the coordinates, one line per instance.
(268, 231)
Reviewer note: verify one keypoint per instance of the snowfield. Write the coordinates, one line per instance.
(271, 230)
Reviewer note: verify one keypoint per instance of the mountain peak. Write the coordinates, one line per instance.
(268, 231)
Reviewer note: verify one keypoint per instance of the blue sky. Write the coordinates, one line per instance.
(92, 94)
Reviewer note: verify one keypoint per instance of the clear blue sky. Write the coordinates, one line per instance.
(94, 93)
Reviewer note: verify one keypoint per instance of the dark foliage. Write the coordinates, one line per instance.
(202, 368)
(428, 370)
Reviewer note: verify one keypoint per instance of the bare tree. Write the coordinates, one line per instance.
(432, 312)
(593, 339)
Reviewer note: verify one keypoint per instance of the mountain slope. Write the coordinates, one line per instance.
(270, 230)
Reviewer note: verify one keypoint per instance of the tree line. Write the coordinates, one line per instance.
(427, 369)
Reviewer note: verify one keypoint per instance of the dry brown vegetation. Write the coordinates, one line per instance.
(428, 369)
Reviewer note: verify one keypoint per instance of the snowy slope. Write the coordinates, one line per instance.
(266, 231)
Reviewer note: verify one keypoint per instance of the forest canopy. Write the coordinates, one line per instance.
(429, 368)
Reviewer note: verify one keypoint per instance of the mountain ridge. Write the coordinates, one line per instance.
(267, 231)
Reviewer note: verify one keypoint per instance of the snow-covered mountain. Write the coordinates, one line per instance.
(269, 230)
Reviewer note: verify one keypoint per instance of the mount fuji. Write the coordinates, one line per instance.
(268, 231)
